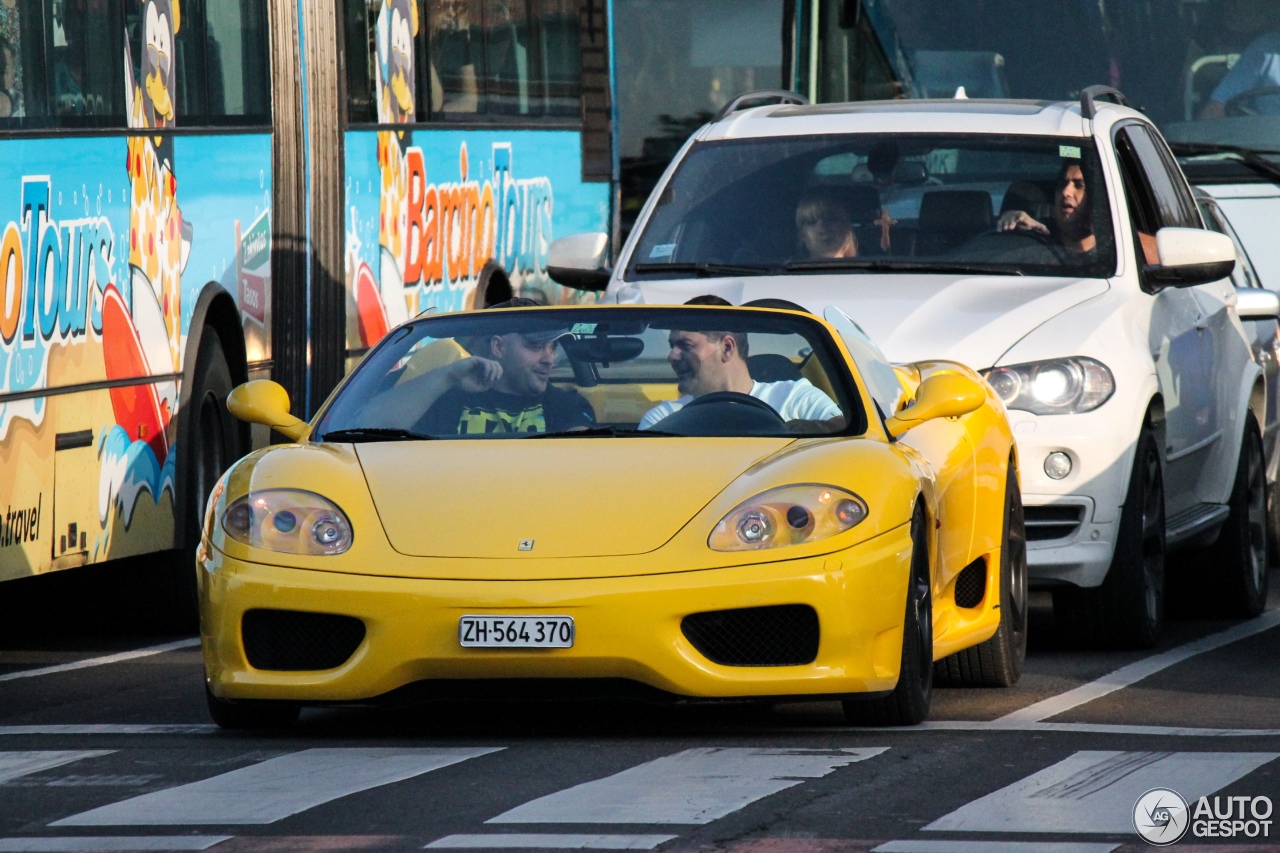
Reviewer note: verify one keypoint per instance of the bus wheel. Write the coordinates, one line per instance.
(209, 446)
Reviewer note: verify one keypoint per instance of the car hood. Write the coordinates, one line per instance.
(584, 497)
(972, 319)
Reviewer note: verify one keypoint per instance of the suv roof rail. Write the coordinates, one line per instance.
(1091, 93)
(782, 96)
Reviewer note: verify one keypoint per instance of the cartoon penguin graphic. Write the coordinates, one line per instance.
(397, 28)
(144, 332)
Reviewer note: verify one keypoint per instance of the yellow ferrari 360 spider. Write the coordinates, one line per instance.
(684, 503)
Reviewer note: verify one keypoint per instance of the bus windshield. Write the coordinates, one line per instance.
(1207, 71)
(896, 202)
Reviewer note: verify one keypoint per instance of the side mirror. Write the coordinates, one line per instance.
(578, 261)
(1254, 303)
(943, 395)
(1191, 256)
(265, 402)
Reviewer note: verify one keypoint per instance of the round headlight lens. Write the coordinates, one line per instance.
(1056, 384)
(1006, 384)
(755, 527)
(289, 521)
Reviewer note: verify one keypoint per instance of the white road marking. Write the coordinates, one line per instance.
(695, 786)
(1094, 791)
(274, 789)
(549, 842)
(23, 763)
(110, 843)
(1126, 676)
(994, 847)
(113, 729)
(102, 661)
(1069, 728)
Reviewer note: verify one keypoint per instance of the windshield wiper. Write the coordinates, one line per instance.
(359, 434)
(856, 265)
(604, 432)
(1251, 157)
(708, 270)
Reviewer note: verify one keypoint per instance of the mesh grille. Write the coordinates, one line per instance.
(785, 635)
(971, 585)
(293, 640)
(1052, 522)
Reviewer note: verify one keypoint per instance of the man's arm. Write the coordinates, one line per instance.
(404, 404)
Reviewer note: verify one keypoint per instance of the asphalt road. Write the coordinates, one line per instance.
(105, 745)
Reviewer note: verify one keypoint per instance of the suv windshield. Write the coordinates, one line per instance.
(882, 202)
(1206, 71)
(603, 372)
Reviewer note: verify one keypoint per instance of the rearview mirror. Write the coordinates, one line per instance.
(943, 395)
(265, 402)
(578, 261)
(1191, 256)
(1254, 303)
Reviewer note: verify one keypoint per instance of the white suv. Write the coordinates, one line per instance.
(1056, 247)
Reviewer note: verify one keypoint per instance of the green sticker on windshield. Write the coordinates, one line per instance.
(583, 329)
(1070, 151)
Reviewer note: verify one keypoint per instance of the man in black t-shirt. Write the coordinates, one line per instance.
(507, 390)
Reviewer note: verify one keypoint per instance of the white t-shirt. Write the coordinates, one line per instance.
(794, 400)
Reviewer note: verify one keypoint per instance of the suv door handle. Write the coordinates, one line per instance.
(1202, 323)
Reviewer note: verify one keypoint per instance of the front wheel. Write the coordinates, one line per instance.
(910, 700)
(998, 661)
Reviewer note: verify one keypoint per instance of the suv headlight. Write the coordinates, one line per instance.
(1061, 386)
(789, 515)
(289, 521)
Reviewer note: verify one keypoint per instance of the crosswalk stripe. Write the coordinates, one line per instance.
(1095, 791)
(542, 841)
(929, 846)
(109, 843)
(695, 786)
(274, 789)
(24, 762)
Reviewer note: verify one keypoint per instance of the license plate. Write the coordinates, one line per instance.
(516, 632)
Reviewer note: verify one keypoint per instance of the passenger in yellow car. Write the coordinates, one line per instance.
(505, 390)
(710, 362)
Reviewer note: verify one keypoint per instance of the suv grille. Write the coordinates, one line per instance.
(783, 635)
(294, 640)
(1052, 522)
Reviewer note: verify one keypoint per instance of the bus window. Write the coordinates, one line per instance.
(11, 90)
(237, 53)
(559, 56)
(72, 49)
(457, 54)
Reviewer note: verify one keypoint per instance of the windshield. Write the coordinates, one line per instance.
(601, 372)
(882, 202)
(1205, 71)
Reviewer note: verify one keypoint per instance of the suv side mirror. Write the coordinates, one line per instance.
(578, 261)
(265, 402)
(1254, 303)
(943, 395)
(1191, 256)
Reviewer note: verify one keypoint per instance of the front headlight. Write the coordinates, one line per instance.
(289, 521)
(790, 515)
(1062, 386)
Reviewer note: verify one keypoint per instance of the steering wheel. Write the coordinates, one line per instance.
(1244, 104)
(997, 238)
(725, 412)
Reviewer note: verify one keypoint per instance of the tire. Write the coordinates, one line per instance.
(212, 441)
(1238, 559)
(1127, 611)
(997, 662)
(250, 714)
(909, 702)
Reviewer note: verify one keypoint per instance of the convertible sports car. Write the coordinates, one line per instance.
(681, 503)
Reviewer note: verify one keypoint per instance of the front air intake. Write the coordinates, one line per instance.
(293, 640)
(783, 635)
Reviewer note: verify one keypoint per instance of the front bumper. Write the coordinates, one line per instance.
(627, 627)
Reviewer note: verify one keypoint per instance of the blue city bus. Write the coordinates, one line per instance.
(201, 192)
